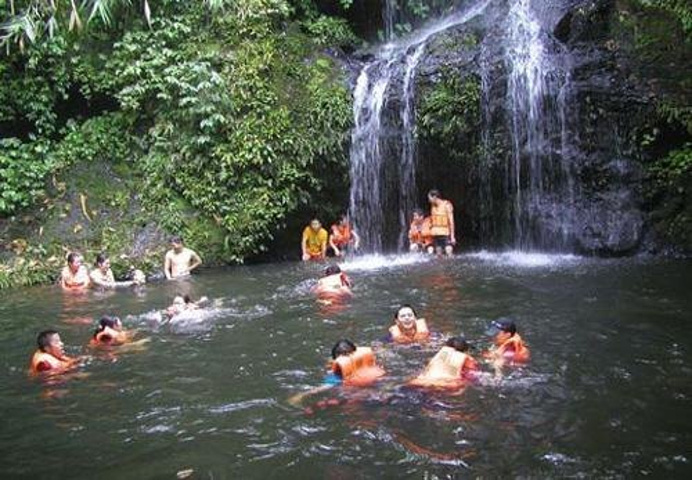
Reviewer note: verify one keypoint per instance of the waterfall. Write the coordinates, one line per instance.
(382, 156)
(538, 178)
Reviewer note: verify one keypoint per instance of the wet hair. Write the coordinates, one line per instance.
(405, 305)
(458, 343)
(332, 270)
(106, 321)
(43, 339)
(418, 211)
(343, 216)
(100, 259)
(505, 325)
(72, 256)
(176, 239)
(434, 193)
(343, 347)
(187, 299)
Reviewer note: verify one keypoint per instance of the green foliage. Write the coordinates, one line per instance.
(681, 9)
(669, 187)
(23, 168)
(451, 109)
(326, 30)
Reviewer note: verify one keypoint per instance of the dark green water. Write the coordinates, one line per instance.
(606, 395)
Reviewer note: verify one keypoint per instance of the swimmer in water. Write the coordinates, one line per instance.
(110, 333)
(183, 303)
(334, 284)
(450, 367)
(508, 345)
(74, 276)
(408, 328)
(50, 358)
(180, 261)
(102, 275)
(350, 366)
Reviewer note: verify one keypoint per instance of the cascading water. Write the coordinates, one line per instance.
(383, 189)
(538, 181)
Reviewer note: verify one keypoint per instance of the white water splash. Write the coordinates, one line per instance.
(377, 262)
(517, 258)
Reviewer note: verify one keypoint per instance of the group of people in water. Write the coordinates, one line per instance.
(452, 367)
(351, 365)
(433, 234)
(50, 355)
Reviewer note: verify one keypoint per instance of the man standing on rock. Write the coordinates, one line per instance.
(180, 261)
(442, 223)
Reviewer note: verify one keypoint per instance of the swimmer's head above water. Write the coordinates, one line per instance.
(405, 317)
(458, 343)
(332, 270)
(343, 347)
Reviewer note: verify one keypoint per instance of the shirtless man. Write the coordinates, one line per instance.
(180, 260)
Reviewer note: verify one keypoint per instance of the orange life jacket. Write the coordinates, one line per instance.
(359, 368)
(420, 232)
(110, 336)
(439, 218)
(44, 362)
(446, 369)
(422, 332)
(341, 235)
(514, 349)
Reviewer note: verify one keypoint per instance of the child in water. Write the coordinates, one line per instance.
(182, 303)
(450, 367)
(334, 284)
(508, 345)
(110, 332)
(350, 366)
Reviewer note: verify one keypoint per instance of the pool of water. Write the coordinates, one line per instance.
(606, 395)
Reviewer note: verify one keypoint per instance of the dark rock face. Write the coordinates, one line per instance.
(581, 188)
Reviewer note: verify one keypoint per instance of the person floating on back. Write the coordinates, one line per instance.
(451, 367)
(419, 236)
(183, 303)
(508, 345)
(407, 327)
(335, 284)
(74, 276)
(314, 241)
(343, 238)
(442, 223)
(180, 261)
(50, 358)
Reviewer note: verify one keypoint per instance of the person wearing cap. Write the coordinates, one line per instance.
(509, 346)
(180, 261)
(450, 367)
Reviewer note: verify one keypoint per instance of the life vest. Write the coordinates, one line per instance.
(75, 281)
(422, 332)
(110, 336)
(514, 349)
(446, 369)
(419, 233)
(439, 218)
(44, 362)
(341, 235)
(359, 368)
